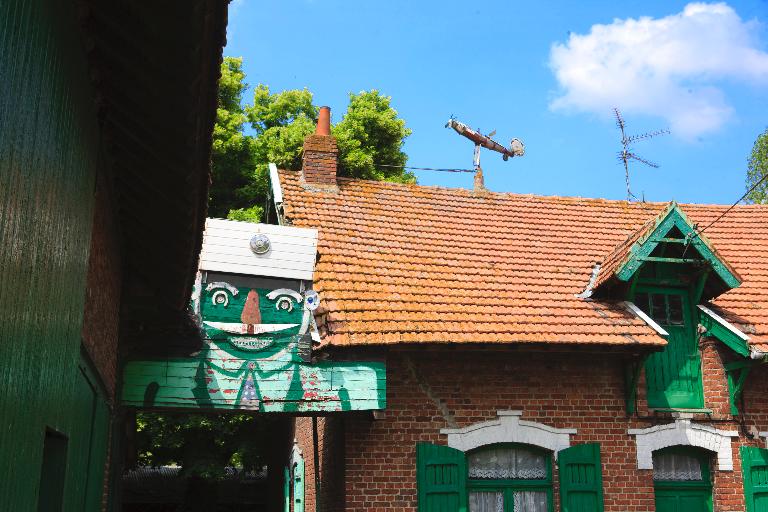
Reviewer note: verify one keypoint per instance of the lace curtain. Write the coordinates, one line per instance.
(524, 501)
(486, 502)
(507, 463)
(676, 467)
(531, 501)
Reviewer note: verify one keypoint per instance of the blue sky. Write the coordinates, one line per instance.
(545, 72)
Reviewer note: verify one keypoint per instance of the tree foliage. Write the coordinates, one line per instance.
(273, 127)
(202, 444)
(370, 138)
(757, 169)
(232, 157)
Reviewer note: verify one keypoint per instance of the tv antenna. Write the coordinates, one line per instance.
(516, 147)
(626, 154)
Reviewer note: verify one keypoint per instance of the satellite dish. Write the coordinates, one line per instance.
(491, 134)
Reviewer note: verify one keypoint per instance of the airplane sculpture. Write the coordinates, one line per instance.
(516, 147)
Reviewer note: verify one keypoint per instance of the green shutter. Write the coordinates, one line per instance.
(441, 477)
(581, 478)
(754, 461)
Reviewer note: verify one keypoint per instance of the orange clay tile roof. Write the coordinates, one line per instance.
(415, 264)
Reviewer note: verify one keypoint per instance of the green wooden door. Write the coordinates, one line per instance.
(755, 464)
(673, 376)
(441, 477)
(581, 478)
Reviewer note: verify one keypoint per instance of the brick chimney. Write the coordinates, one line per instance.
(321, 155)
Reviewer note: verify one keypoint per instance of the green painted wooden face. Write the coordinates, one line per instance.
(251, 319)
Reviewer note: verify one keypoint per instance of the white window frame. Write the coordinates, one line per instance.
(509, 428)
(683, 433)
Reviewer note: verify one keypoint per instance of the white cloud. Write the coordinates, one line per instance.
(668, 67)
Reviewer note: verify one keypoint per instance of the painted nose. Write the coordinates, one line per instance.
(251, 313)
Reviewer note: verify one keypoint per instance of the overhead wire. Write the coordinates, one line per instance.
(698, 232)
(425, 168)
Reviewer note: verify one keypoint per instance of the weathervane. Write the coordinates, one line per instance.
(516, 147)
(626, 154)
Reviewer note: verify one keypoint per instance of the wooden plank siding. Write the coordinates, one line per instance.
(292, 387)
(49, 155)
(226, 249)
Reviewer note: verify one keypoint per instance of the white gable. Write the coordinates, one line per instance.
(227, 248)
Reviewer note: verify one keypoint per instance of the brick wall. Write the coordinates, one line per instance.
(330, 436)
(716, 396)
(102, 302)
(430, 390)
(319, 162)
(102, 294)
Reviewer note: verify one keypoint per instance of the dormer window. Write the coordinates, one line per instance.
(666, 268)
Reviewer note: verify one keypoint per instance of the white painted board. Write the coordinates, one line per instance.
(226, 248)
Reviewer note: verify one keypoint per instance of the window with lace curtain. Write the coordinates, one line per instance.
(682, 479)
(507, 478)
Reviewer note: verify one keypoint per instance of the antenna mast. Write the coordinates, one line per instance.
(626, 154)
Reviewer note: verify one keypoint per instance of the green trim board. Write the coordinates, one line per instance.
(673, 217)
(254, 357)
(724, 331)
(737, 373)
(632, 377)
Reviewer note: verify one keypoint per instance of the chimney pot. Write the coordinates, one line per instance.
(320, 159)
(324, 121)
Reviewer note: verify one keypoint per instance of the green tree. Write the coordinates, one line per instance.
(202, 444)
(370, 137)
(757, 169)
(232, 156)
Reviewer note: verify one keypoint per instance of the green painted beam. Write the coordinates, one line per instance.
(720, 329)
(736, 380)
(632, 377)
(672, 260)
(241, 380)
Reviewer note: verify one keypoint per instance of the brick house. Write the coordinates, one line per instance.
(543, 353)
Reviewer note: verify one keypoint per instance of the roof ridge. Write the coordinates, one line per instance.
(547, 197)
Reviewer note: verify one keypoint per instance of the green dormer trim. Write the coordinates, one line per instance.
(719, 328)
(699, 252)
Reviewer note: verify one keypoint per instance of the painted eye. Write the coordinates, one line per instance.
(284, 304)
(220, 298)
